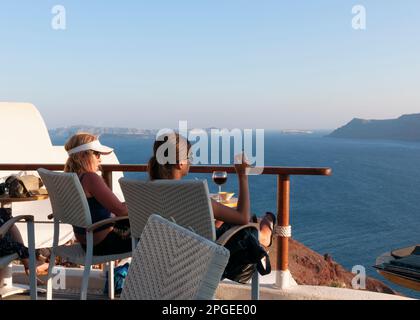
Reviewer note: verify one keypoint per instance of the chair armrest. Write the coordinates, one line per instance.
(6, 227)
(232, 231)
(102, 223)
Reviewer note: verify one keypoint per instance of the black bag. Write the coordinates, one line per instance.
(5, 215)
(246, 255)
(23, 186)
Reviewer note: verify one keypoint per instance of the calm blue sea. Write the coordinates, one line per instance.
(370, 205)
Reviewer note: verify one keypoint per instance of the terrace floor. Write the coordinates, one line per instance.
(227, 290)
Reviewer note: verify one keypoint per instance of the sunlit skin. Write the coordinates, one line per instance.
(95, 159)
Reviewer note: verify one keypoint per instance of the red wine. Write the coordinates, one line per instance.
(220, 180)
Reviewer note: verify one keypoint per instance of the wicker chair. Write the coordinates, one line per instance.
(173, 263)
(184, 202)
(6, 260)
(70, 206)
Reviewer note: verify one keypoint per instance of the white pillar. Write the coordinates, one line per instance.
(284, 280)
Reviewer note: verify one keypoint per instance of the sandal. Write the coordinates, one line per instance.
(271, 222)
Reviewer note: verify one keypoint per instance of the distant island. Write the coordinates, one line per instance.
(103, 131)
(296, 131)
(67, 132)
(405, 128)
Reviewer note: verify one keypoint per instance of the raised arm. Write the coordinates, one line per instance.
(242, 214)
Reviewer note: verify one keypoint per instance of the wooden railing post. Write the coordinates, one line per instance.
(283, 218)
(283, 232)
(107, 175)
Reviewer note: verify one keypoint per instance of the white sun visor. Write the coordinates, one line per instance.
(94, 146)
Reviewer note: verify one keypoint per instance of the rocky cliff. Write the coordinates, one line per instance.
(406, 127)
(311, 268)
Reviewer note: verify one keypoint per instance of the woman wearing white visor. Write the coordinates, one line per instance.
(85, 152)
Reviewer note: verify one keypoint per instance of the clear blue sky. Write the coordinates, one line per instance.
(227, 63)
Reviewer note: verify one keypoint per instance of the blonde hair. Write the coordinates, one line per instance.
(80, 162)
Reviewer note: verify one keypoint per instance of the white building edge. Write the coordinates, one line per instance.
(25, 140)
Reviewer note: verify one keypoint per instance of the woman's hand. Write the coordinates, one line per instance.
(241, 164)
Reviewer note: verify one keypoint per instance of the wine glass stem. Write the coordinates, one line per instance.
(220, 190)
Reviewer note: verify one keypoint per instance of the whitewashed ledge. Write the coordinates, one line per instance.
(229, 290)
(232, 291)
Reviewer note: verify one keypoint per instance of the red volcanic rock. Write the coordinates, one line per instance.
(310, 268)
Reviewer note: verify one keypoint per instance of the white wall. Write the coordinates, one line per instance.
(24, 139)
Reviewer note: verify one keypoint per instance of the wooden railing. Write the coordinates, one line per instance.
(283, 190)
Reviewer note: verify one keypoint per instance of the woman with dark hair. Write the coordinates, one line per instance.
(160, 168)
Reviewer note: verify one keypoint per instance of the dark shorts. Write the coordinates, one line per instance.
(7, 244)
(116, 242)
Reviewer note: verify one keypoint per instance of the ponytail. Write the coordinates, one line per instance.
(158, 171)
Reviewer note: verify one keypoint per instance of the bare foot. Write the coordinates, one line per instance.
(41, 269)
(39, 282)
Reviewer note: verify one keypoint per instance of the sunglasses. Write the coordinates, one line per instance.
(96, 154)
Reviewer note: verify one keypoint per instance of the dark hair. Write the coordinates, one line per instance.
(158, 170)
